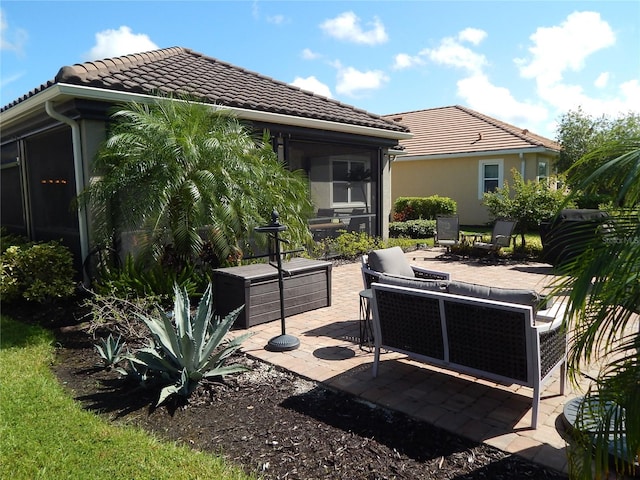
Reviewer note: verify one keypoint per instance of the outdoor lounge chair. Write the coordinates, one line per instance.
(392, 261)
(500, 237)
(447, 231)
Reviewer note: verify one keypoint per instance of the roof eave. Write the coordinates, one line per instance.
(63, 90)
(533, 149)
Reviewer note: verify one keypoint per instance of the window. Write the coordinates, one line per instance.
(543, 170)
(490, 176)
(349, 181)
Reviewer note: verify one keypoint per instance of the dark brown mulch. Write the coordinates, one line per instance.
(280, 426)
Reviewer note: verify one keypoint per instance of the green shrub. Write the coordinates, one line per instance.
(38, 272)
(413, 229)
(9, 239)
(348, 245)
(529, 202)
(141, 279)
(426, 208)
(183, 355)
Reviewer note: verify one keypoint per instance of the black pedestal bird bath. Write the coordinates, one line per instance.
(282, 342)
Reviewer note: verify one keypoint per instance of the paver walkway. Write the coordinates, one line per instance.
(478, 409)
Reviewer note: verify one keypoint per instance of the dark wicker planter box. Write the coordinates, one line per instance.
(307, 286)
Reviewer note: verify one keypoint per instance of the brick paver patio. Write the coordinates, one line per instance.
(481, 410)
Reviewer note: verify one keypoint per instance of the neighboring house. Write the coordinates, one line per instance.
(459, 153)
(50, 137)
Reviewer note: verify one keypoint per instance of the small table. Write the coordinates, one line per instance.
(467, 238)
(366, 328)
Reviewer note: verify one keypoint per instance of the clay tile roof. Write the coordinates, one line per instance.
(460, 130)
(182, 71)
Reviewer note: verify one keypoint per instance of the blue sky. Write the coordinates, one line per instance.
(523, 62)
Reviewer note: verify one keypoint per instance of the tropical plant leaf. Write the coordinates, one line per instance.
(603, 293)
(151, 359)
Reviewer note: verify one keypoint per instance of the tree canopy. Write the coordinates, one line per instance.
(581, 134)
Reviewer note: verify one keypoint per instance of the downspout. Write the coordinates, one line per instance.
(522, 165)
(79, 174)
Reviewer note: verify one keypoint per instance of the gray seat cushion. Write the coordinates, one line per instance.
(419, 283)
(390, 260)
(509, 295)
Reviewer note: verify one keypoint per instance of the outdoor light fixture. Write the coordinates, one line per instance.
(282, 342)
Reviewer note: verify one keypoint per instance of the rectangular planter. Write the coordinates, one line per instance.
(307, 286)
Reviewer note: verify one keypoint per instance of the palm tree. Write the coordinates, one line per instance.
(185, 174)
(603, 286)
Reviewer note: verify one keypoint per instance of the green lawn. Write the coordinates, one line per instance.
(45, 434)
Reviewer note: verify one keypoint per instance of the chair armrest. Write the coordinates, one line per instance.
(421, 272)
(553, 342)
(551, 317)
(369, 276)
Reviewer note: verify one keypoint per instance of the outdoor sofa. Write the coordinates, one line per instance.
(504, 335)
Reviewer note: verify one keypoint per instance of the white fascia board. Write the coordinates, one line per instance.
(416, 158)
(64, 91)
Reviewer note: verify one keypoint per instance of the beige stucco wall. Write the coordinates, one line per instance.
(458, 178)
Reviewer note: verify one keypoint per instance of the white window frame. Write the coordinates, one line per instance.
(349, 162)
(546, 175)
(481, 178)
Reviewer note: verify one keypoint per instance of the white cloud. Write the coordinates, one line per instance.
(452, 53)
(472, 35)
(404, 60)
(312, 84)
(565, 97)
(475, 88)
(631, 94)
(565, 47)
(346, 27)
(19, 36)
(277, 19)
(114, 43)
(602, 80)
(480, 94)
(352, 81)
(308, 54)
(5, 81)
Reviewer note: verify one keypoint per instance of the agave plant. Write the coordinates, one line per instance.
(111, 350)
(186, 349)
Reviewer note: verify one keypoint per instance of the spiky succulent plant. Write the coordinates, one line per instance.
(111, 350)
(188, 348)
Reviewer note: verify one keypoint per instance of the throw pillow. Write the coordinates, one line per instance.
(390, 260)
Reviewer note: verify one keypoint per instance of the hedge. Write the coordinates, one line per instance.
(426, 208)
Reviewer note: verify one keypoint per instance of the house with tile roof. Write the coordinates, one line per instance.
(51, 134)
(459, 153)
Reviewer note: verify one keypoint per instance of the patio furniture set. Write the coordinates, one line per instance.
(509, 336)
(448, 234)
